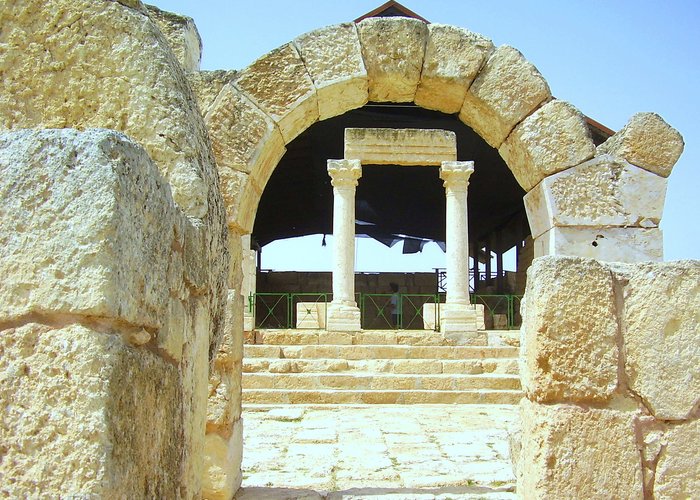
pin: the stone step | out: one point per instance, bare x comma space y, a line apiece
403, 366
376, 382
371, 337
360, 352
337, 396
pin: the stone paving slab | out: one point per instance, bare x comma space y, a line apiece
377, 451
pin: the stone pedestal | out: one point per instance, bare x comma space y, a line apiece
343, 313
458, 316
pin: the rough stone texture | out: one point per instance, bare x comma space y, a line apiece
207, 85
553, 138
453, 57
612, 244
569, 340
333, 58
78, 413
280, 85
507, 89
223, 464
400, 146
97, 239
126, 78
677, 473
574, 452
224, 403
393, 50
648, 142
182, 35
661, 317
74, 204
602, 192
245, 141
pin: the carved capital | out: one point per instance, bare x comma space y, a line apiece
456, 174
344, 173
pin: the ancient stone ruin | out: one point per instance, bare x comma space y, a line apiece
130, 180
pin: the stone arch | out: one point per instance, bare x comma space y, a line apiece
253, 114
493, 90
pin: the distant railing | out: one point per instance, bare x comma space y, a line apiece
377, 310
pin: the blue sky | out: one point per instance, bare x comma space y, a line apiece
610, 59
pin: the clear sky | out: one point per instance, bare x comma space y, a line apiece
610, 59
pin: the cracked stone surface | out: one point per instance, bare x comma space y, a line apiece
418, 451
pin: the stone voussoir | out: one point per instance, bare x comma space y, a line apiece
648, 142
553, 138
393, 49
280, 85
453, 58
333, 58
507, 89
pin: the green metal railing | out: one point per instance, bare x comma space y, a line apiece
280, 310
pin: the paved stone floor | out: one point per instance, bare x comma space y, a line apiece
377, 451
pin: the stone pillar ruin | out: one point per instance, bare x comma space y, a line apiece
457, 315
249, 285
343, 313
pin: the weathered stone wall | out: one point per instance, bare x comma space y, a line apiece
91, 279
611, 373
103, 337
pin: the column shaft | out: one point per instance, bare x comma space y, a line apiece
343, 313
458, 316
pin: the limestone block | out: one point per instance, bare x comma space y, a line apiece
601, 192
244, 139
182, 35
333, 58
430, 316
453, 58
507, 89
569, 334
611, 244
646, 141
311, 315
661, 307
575, 452
553, 138
207, 85
90, 227
677, 469
126, 78
79, 409
393, 50
231, 347
224, 401
222, 464
280, 85
400, 146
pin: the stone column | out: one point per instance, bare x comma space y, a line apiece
343, 313
457, 316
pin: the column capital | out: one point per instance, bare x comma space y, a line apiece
344, 173
456, 173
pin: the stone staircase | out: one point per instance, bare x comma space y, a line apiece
378, 367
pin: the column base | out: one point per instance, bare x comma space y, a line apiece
458, 322
343, 318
